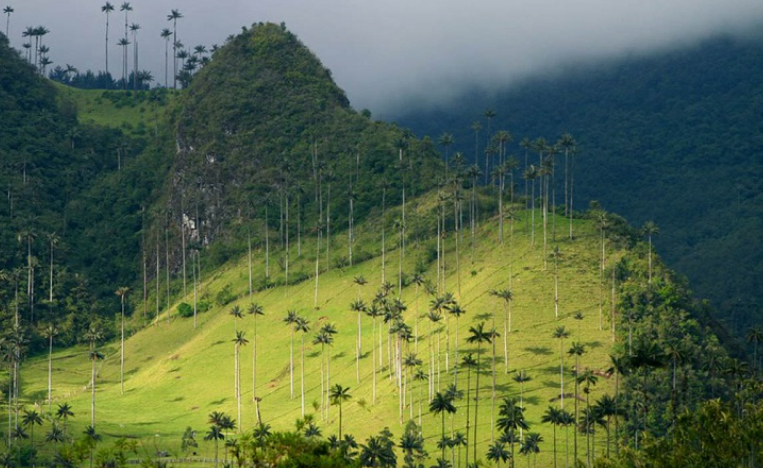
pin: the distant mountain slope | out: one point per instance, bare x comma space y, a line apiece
675, 138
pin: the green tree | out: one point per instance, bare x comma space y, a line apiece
478, 335
255, 310
588, 378
122, 293
7, 11
531, 445
339, 395
91, 440
553, 416
441, 404
238, 342
291, 320
174, 16
511, 417
30, 419
359, 307
561, 333
95, 356
650, 230
577, 350
506, 297
303, 325
497, 453
64, 412
107, 8
49, 332
378, 451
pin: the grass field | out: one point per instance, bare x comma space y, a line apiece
117, 109
177, 374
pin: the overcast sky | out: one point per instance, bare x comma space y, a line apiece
385, 53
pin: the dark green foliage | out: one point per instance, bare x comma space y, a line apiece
673, 137
672, 359
225, 296
263, 122
59, 176
185, 310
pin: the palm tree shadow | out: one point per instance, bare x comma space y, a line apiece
532, 400
539, 350
482, 317
218, 402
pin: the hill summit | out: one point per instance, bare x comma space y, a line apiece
265, 125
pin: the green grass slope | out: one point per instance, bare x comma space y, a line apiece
177, 374
124, 110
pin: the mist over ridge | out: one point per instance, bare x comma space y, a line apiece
388, 55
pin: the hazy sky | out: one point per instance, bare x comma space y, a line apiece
385, 53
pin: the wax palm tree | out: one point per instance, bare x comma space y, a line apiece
31, 418
650, 230
238, 342
453, 308
174, 16
446, 140
620, 367
95, 356
588, 378
7, 11
255, 310
122, 293
123, 42
290, 320
434, 352
607, 407
469, 362
339, 395
553, 416
53, 240
64, 412
378, 452
577, 350
441, 404
521, 377
507, 297
531, 445
754, 336
531, 173
418, 280
237, 314
91, 440
49, 332
216, 434
134, 28
302, 325
478, 335
561, 333
511, 418
359, 307
107, 8
166, 34
55, 434
497, 453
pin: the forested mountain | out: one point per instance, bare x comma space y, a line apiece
71, 206
673, 137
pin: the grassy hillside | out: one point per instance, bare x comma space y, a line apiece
177, 374
126, 111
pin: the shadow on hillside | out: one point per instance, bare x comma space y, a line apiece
539, 350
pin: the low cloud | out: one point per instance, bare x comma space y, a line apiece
391, 53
